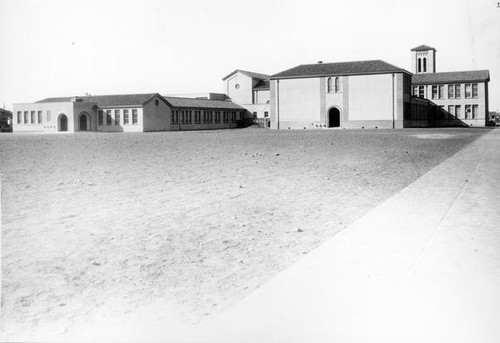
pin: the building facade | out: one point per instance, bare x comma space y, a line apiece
364, 94
251, 91
125, 113
463, 94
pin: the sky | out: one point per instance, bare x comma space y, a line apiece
66, 48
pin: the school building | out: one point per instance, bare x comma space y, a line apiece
125, 113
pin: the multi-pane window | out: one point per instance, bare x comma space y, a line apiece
434, 92
134, 116
25, 115
458, 111
415, 90
421, 91
32, 117
451, 109
451, 91
49, 116
330, 85
458, 94
266, 114
39, 115
108, 117
441, 91
337, 84
475, 110
474, 90
125, 117
100, 119
468, 111
117, 117
182, 117
19, 113
468, 93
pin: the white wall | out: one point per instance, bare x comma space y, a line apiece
370, 97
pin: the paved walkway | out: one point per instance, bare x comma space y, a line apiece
422, 267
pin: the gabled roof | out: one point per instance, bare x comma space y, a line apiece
423, 48
262, 85
452, 77
340, 68
109, 100
247, 73
202, 103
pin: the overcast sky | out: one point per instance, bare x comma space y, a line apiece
64, 48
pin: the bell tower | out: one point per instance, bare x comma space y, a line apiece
423, 59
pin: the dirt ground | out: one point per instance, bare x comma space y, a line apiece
198, 220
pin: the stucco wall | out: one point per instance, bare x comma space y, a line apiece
370, 97
299, 102
243, 94
156, 117
262, 97
55, 108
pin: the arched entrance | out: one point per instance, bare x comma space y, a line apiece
84, 122
334, 117
63, 122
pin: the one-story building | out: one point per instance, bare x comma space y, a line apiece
125, 113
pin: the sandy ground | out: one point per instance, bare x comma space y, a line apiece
106, 223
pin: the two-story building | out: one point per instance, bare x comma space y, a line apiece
463, 94
250, 90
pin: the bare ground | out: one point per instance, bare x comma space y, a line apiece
196, 219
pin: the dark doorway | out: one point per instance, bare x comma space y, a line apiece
334, 117
63, 123
83, 122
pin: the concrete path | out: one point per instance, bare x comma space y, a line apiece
422, 267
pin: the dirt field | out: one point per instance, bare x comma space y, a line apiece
196, 219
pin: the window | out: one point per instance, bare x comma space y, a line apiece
330, 85
415, 90
468, 111
474, 90
441, 92
134, 116
419, 65
451, 91
475, 110
451, 110
425, 65
19, 113
434, 92
39, 117
254, 114
100, 119
25, 117
337, 85
108, 117
421, 91
125, 117
117, 117
468, 92
49, 116
458, 111
32, 117
182, 117
457, 92
266, 114
237, 86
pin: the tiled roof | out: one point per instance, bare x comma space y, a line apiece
248, 73
109, 100
340, 68
423, 48
451, 77
262, 85
202, 103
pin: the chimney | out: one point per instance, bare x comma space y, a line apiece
319, 62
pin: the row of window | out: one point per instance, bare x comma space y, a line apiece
333, 85
205, 117
116, 119
32, 117
454, 91
471, 111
